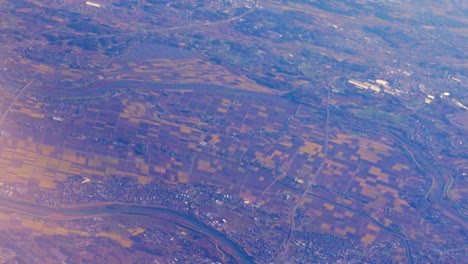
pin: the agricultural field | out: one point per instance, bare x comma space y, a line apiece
152, 131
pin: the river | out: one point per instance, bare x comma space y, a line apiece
113, 209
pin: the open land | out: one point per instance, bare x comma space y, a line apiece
233, 131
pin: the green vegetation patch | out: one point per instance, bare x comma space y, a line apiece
381, 116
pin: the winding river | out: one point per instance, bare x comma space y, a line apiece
225, 244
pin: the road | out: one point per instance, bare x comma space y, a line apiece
2, 119
292, 213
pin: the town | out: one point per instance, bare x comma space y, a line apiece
211, 132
